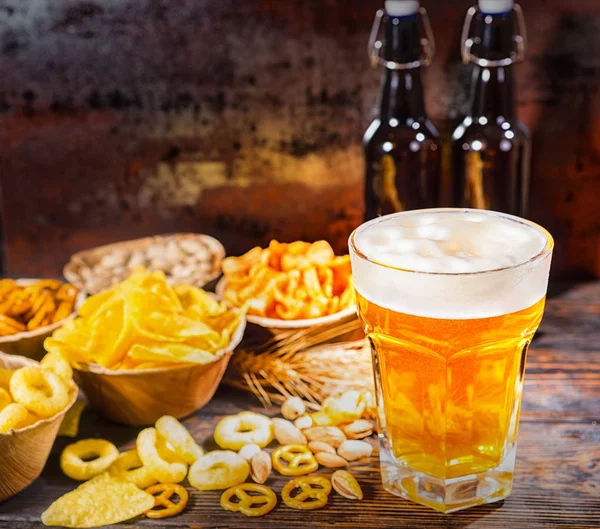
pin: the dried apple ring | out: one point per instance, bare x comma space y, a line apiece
129, 467
218, 470
56, 363
235, 431
265, 500
314, 492
300, 460
162, 469
180, 439
87, 458
39, 390
12, 417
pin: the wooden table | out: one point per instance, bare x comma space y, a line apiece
557, 481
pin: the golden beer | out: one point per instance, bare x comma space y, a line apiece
449, 347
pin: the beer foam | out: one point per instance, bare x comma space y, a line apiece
451, 263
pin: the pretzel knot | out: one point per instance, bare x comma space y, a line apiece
249, 505
165, 491
299, 458
314, 493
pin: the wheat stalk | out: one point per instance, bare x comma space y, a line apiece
307, 363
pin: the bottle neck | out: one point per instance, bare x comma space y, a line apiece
493, 93
401, 90
493, 88
402, 95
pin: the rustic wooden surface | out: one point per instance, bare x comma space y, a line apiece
557, 481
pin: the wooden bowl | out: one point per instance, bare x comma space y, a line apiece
139, 397
31, 343
86, 259
278, 327
23, 453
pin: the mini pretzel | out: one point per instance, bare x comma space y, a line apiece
165, 491
299, 458
318, 494
265, 501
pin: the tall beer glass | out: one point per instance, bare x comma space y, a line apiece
450, 300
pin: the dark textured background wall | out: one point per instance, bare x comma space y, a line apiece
243, 119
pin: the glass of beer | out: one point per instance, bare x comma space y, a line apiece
450, 300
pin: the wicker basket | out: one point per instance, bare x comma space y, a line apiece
86, 259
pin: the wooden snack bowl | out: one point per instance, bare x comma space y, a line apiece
23, 453
31, 343
139, 397
91, 257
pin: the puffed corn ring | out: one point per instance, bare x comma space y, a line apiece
218, 470
235, 431
179, 438
169, 508
159, 464
300, 460
12, 417
265, 501
56, 363
87, 458
129, 467
39, 390
314, 493
5, 399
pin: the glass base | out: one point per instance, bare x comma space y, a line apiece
447, 495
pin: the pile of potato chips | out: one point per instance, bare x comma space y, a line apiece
143, 323
289, 281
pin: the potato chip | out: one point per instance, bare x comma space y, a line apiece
289, 281
5, 376
70, 423
170, 353
5, 398
144, 323
101, 501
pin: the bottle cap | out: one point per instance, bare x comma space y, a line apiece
401, 8
494, 7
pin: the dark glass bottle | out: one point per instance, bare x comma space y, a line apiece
491, 148
402, 147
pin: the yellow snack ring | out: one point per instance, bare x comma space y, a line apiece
218, 470
148, 444
235, 431
129, 467
87, 458
266, 498
314, 488
179, 438
56, 363
300, 460
39, 390
12, 417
